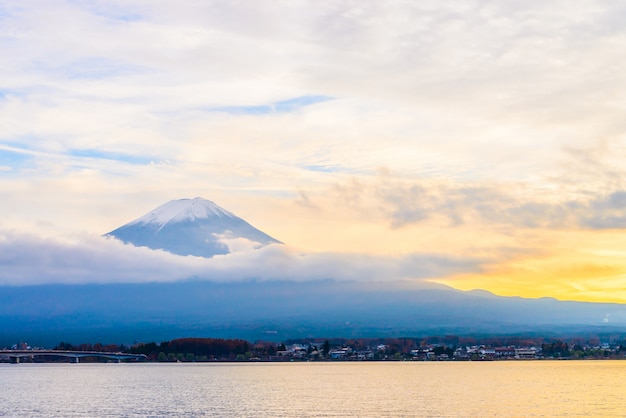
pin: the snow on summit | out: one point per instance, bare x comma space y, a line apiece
183, 210
190, 227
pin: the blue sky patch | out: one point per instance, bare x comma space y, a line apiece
327, 168
4, 93
109, 11
119, 15
283, 106
13, 159
93, 68
110, 156
5, 13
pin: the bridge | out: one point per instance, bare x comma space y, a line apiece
15, 355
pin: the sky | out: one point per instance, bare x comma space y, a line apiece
477, 144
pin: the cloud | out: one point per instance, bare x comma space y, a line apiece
236, 244
305, 202
462, 89
608, 212
403, 202
283, 263
27, 259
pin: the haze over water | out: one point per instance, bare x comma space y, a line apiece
392, 389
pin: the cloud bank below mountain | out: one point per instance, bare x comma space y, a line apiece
28, 259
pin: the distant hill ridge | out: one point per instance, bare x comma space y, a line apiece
189, 227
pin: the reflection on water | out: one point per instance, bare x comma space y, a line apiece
472, 389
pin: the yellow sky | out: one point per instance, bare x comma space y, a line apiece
593, 272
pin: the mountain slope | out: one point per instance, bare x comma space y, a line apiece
47, 314
189, 227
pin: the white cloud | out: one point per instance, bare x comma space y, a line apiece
236, 244
27, 259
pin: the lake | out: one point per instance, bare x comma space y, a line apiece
366, 389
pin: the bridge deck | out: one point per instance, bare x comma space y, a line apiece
16, 354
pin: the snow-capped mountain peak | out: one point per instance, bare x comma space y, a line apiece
190, 227
183, 210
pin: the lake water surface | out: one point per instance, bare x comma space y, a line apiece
368, 389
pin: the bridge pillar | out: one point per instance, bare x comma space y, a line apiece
15, 360
75, 360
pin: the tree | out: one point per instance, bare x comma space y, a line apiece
555, 349
64, 346
325, 348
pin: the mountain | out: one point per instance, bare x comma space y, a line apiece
273, 309
189, 227
280, 310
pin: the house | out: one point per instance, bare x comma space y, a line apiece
340, 354
487, 353
505, 352
525, 353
